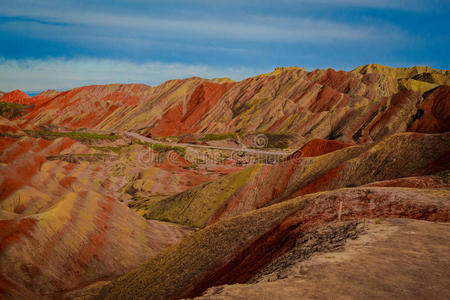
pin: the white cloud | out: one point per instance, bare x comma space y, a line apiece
404, 5
397, 4
58, 73
252, 28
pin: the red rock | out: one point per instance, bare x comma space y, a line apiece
413, 182
43, 97
433, 115
364, 107
180, 120
16, 96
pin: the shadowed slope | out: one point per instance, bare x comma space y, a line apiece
233, 250
433, 115
439, 180
389, 259
318, 147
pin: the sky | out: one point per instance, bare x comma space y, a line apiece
62, 44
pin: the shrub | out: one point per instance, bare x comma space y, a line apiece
162, 148
12, 110
47, 134
221, 136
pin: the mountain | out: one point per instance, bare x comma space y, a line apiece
197, 185
348, 106
399, 73
252, 240
16, 96
262, 185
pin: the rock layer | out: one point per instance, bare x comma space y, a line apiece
400, 155
253, 240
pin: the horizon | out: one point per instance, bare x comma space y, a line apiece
37, 92
255, 149
100, 42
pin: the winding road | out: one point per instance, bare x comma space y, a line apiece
253, 151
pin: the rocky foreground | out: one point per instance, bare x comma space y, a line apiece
397, 258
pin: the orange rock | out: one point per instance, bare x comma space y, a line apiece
181, 119
16, 96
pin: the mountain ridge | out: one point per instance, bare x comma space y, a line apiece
254, 104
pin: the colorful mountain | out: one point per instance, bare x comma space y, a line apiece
128, 191
368, 103
16, 96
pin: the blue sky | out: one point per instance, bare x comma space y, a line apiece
61, 44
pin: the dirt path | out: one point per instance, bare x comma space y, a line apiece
397, 259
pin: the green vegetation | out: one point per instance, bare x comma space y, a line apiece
195, 206
279, 139
115, 149
163, 148
444, 176
274, 139
76, 158
221, 136
139, 142
10, 135
76, 135
139, 202
12, 110
191, 167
